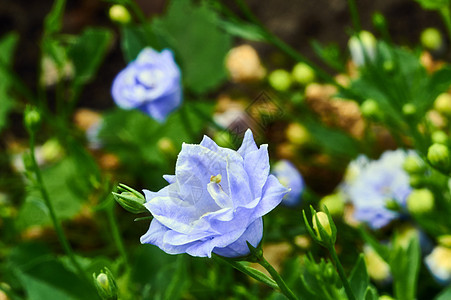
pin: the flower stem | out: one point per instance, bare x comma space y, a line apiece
341, 272
354, 15
116, 233
446, 16
277, 278
56, 224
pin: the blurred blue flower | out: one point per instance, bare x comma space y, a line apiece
289, 177
215, 201
150, 83
372, 185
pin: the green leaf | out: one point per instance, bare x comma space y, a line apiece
88, 52
404, 266
8, 45
68, 189
200, 46
134, 38
445, 294
44, 277
359, 279
433, 4
242, 30
54, 19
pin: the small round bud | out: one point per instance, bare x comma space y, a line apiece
389, 65
409, 109
379, 20
442, 104
386, 297
420, 201
118, 13
105, 285
377, 268
303, 73
431, 39
297, 134
413, 164
32, 118
244, 65
335, 203
324, 221
166, 146
439, 137
370, 109
438, 156
280, 80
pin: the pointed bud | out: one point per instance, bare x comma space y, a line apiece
420, 201
438, 156
105, 285
130, 199
323, 221
118, 13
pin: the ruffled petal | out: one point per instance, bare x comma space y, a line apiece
273, 192
256, 165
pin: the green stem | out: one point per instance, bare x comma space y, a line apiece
341, 272
116, 233
56, 224
354, 15
137, 11
446, 16
278, 279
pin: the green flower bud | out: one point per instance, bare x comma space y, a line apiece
280, 80
52, 150
324, 222
120, 14
409, 109
32, 118
389, 65
105, 285
386, 297
439, 137
303, 73
438, 156
420, 201
379, 20
130, 199
442, 104
370, 109
431, 39
335, 203
413, 164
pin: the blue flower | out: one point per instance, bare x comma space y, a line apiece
215, 201
371, 185
150, 83
290, 177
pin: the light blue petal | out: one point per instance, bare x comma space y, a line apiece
217, 193
253, 235
256, 165
273, 192
248, 144
205, 247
